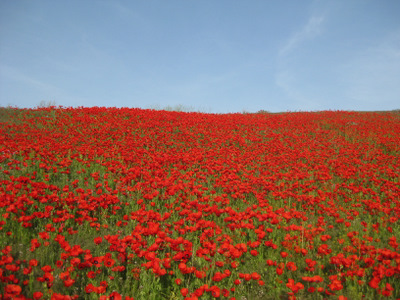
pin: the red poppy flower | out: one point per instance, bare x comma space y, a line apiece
109, 262
33, 262
115, 296
37, 295
13, 289
69, 282
48, 277
215, 291
184, 291
90, 288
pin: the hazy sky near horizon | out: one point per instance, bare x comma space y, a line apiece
218, 56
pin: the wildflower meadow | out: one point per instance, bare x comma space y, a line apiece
118, 203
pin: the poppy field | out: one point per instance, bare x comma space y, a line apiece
118, 203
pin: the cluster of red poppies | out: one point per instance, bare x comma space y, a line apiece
107, 203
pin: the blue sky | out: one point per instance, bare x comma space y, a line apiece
217, 56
